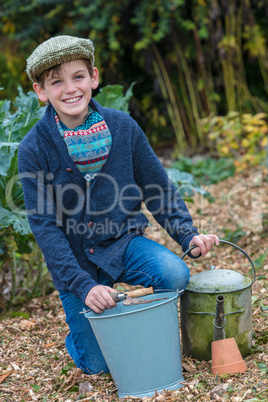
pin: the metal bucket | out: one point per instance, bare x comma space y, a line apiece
141, 345
198, 309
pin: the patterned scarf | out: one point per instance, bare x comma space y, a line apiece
88, 144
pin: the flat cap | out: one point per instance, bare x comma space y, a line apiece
58, 50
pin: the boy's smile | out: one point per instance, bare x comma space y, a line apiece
72, 100
69, 92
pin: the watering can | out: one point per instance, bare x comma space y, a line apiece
198, 309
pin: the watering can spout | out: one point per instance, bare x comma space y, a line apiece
219, 321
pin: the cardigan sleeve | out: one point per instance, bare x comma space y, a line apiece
43, 220
159, 195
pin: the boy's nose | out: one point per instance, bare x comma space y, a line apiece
70, 87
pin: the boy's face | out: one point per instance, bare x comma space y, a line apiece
69, 92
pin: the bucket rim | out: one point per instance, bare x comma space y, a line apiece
151, 392
91, 315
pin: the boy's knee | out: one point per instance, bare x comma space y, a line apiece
176, 275
182, 277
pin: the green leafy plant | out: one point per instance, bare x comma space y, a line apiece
13, 127
233, 236
36, 387
22, 265
67, 368
259, 262
112, 96
206, 170
263, 367
186, 185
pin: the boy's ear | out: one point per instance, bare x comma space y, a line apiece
95, 78
40, 92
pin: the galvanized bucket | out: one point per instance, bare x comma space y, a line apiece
198, 308
141, 345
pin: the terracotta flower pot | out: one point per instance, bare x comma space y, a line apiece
226, 357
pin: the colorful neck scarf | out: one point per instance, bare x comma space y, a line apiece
88, 144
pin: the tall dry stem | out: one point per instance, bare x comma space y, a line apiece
169, 96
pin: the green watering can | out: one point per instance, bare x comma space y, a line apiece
198, 309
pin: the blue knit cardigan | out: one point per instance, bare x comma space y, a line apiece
80, 227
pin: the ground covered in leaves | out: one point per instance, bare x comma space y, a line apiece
34, 365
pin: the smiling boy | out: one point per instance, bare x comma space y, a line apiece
69, 90
85, 171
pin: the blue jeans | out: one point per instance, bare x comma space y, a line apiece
147, 263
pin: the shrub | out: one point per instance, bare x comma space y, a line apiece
241, 137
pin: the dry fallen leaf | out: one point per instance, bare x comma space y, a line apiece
4, 376
218, 391
188, 365
26, 325
84, 388
15, 366
48, 345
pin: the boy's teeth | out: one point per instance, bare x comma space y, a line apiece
72, 100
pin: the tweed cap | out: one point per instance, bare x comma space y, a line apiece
58, 50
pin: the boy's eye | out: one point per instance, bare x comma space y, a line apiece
78, 77
56, 82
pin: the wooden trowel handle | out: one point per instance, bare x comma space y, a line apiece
134, 293
141, 292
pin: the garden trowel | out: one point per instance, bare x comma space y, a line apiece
130, 298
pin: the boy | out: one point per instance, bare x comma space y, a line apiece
85, 170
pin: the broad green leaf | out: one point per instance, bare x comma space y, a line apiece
258, 263
263, 367
67, 368
7, 151
177, 177
186, 185
112, 96
36, 387
19, 222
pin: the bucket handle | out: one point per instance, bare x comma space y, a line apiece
231, 244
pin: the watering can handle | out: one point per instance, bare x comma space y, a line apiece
231, 244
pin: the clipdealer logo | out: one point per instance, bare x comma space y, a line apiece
69, 199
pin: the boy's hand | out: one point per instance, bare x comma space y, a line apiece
204, 243
98, 298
